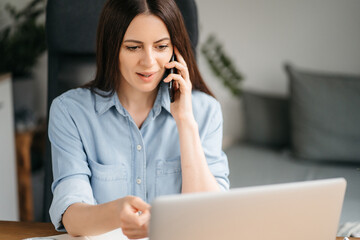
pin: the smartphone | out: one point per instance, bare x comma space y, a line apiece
171, 83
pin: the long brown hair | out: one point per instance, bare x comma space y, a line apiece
113, 23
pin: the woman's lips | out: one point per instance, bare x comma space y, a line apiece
146, 76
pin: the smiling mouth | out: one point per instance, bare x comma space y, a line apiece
145, 75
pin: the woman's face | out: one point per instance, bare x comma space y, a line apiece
145, 49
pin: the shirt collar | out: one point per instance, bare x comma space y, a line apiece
103, 104
162, 99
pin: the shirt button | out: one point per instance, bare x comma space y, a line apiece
138, 147
138, 181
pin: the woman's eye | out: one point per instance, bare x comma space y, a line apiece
162, 47
132, 48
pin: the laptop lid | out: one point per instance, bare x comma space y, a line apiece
296, 211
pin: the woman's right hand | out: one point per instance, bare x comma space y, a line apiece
134, 216
82, 219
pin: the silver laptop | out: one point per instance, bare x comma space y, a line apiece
297, 211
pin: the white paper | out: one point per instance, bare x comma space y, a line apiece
116, 234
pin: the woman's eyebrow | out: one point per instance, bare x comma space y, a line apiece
165, 38
137, 41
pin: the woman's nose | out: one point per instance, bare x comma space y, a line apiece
148, 58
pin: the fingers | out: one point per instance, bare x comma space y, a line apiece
139, 204
133, 219
184, 86
179, 58
134, 234
182, 78
180, 65
182, 69
142, 210
138, 211
133, 224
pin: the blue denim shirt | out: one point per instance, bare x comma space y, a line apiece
99, 154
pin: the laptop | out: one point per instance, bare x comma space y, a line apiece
296, 211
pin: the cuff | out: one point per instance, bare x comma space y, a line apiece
223, 184
66, 193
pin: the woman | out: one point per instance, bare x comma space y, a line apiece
118, 142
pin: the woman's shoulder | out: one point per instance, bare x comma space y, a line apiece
75, 94
205, 107
73, 97
204, 101
207, 112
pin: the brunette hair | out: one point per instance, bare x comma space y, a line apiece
113, 23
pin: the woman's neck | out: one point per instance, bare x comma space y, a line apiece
135, 99
138, 104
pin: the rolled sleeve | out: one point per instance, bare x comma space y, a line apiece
70, 168
66, 193
212, 146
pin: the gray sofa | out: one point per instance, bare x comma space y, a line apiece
314, 133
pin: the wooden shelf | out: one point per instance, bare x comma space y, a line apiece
23, 158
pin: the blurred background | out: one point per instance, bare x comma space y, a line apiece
256, 38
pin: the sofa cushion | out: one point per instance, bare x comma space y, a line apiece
253, 165
325, 115
266, 119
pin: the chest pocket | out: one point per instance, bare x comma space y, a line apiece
108, 182
168, 177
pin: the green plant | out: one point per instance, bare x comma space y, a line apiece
22, 42
221, 65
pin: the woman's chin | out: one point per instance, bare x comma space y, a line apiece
149, 87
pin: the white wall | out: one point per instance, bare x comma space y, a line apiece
261, 34
8, 181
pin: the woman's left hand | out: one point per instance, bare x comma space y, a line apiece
181, 108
